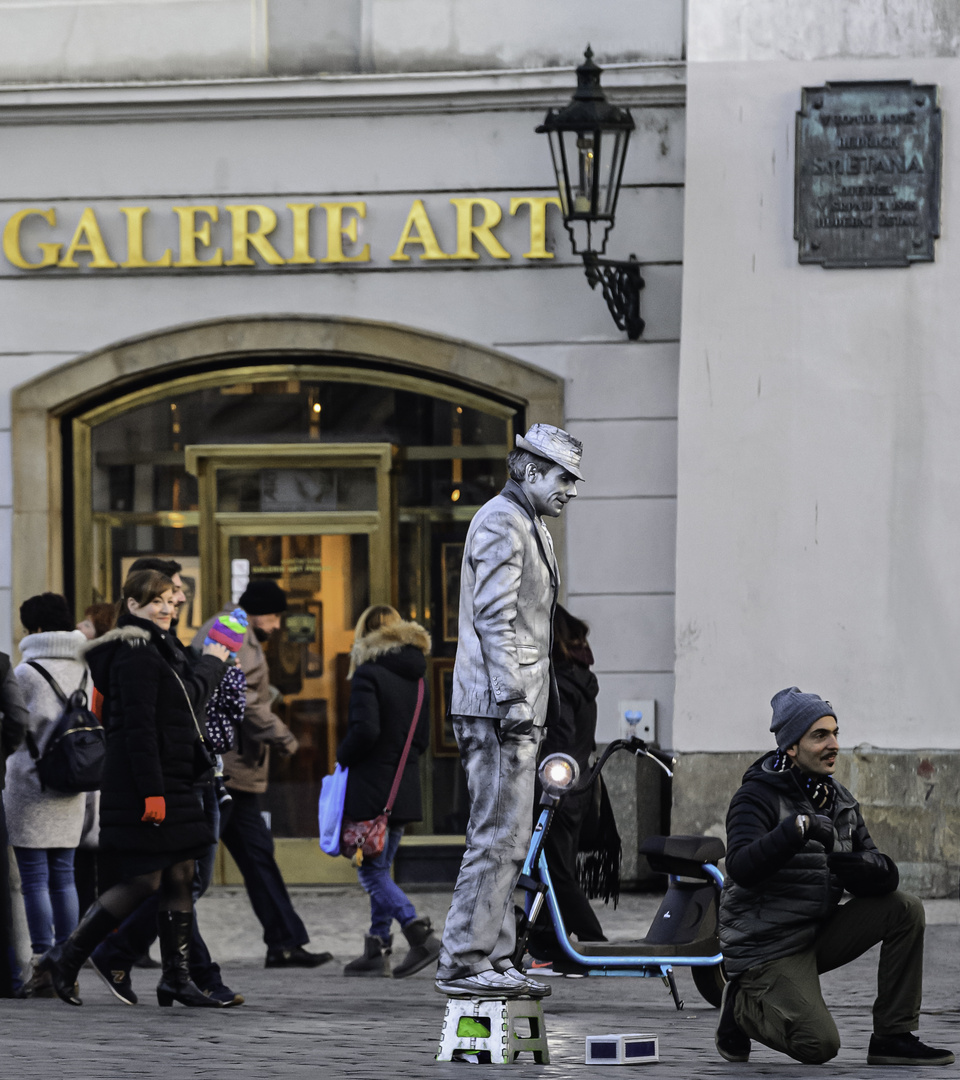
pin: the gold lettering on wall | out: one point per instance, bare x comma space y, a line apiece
88, 239
135, 257
50, 253
538, 222
425, 236
163, 237
337, 230
244, 237
192, 234
301, 233
467, 231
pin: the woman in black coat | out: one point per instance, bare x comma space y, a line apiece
387, 666
152, 825
574, 733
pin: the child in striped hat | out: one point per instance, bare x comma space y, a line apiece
228, 631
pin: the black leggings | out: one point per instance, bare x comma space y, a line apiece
175, 884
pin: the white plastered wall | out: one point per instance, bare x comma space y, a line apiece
819, 501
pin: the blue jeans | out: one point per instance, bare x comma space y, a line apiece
49, 895
387, 900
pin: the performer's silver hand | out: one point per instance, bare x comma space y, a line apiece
519, 719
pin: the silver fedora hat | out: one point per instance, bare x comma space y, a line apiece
555, 445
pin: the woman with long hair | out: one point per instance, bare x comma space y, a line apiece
387, 663
152, 826
44, 825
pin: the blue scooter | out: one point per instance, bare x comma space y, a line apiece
684, 932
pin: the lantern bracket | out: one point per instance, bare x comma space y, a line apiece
620, 282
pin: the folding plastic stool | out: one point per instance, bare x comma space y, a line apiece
466, 1019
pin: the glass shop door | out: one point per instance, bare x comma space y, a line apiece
319, 522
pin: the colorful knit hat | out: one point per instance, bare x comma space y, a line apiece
228, 630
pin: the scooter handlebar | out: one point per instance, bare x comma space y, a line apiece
634, 746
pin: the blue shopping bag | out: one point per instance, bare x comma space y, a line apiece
333, 791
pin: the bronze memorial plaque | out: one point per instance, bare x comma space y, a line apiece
867, 187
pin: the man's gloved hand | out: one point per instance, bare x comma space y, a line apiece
155, 809
519, 719
821, 829
864, 873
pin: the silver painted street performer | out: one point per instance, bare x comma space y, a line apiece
504, 693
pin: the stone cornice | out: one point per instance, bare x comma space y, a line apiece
654, 83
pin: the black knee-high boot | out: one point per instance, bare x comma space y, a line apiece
63, 962
175, 983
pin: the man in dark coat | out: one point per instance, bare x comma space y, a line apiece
13, 726
504, 692
246, 772
795, 841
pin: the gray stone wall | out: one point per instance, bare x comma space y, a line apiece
910, 800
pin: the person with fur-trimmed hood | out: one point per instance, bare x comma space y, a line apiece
387, 663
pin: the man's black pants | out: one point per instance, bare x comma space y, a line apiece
249, 841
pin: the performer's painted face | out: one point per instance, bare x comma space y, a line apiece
549, 492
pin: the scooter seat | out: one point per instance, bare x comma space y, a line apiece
706, 947
681, 854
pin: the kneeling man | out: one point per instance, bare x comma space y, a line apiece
795, 841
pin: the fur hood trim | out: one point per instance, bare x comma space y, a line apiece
120, 634
388, 639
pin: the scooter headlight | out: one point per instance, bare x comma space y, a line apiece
558, 773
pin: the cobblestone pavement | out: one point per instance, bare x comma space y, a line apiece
319, 1024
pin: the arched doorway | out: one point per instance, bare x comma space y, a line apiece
343, 458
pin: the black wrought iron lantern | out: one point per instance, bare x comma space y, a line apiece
588, 143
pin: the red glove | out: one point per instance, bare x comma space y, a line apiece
155, 810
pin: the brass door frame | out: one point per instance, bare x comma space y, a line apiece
216, 528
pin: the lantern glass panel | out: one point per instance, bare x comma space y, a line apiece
560, 168
615, 149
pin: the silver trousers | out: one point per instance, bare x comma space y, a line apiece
480, 930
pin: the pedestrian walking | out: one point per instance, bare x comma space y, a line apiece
13, 726
246, 775
387, 695
97, 620
45, 826
119, 953
152, 826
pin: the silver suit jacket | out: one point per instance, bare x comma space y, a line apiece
508, 592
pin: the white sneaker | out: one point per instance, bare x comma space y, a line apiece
531, 988
485, 984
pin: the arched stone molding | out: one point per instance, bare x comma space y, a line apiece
39, 405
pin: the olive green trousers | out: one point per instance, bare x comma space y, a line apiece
780, 1004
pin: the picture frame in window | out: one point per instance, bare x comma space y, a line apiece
442, 740
451, 559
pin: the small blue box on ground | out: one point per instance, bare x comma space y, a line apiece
631, 1049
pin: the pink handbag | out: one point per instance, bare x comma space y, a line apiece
366, 838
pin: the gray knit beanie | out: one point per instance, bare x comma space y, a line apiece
793, 714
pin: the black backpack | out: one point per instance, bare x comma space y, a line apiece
72, 760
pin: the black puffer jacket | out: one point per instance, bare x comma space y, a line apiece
390, 663
150, 736
779, 889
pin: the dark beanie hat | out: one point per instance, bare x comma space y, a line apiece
794, 713
263, 597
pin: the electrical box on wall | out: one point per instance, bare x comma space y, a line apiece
638, 720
